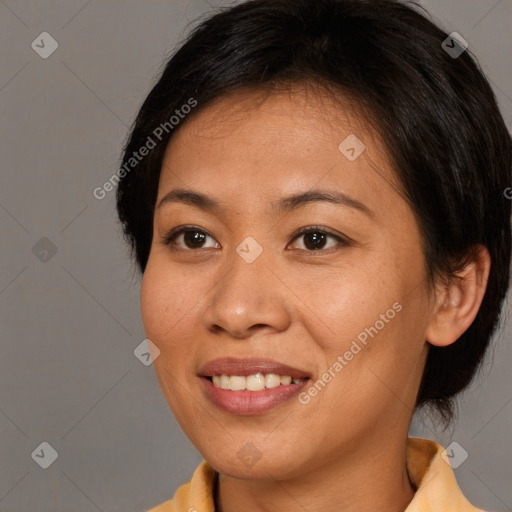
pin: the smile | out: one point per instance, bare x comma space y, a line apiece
250, 386
255, 382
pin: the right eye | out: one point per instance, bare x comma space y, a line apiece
191, 236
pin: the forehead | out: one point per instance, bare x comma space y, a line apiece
258, 144
311, 110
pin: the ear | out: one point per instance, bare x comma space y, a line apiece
458, 302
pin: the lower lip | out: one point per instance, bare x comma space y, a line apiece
250, 402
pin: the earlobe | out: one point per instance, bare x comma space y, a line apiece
458, 303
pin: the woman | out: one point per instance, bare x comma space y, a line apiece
313, 191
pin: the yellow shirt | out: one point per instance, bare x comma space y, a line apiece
437, 489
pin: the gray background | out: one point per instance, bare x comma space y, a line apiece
70, 321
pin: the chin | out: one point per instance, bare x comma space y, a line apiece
261, 470
249, 463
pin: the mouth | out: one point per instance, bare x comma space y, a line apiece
250, 386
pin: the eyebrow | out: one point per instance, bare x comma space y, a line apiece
282, 205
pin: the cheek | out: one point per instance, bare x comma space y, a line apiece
159, 314
153, 303
165, 299
353, 297
171, 300
164, 315
373, 309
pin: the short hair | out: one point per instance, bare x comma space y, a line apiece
434, 110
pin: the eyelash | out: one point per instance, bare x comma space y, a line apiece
343, 241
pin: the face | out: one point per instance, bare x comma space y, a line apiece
233, 287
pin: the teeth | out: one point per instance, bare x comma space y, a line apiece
272, 380
255, 382
237, 383
224, 382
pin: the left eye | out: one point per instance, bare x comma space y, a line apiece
314, 239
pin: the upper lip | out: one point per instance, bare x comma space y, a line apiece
249, 366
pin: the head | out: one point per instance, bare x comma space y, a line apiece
390, 298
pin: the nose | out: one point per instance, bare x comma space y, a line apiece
248, 299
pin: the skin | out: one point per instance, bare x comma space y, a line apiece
299, 306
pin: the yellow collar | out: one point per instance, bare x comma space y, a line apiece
437, 489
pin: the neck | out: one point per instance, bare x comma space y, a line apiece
362, 481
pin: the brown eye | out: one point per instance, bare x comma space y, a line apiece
192, 238
315, 239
